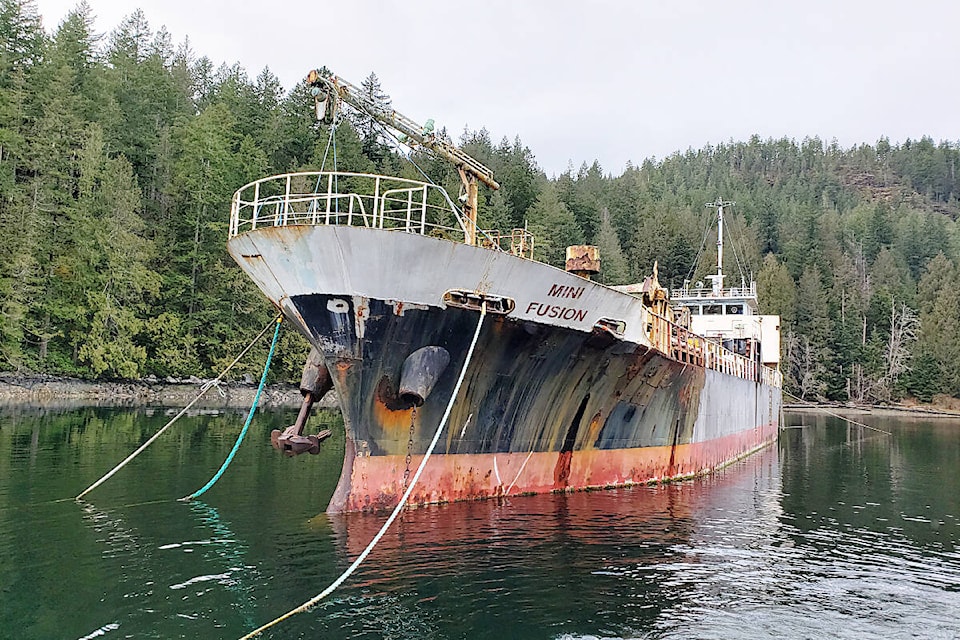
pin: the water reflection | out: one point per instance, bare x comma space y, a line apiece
526, 567
226, 552
835, 532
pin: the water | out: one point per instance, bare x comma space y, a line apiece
834, 532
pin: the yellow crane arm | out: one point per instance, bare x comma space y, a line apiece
329, 91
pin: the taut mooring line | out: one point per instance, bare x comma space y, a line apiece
836, 415
403, 500
206, 387
246, 425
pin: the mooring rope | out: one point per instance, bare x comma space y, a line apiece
835, 415
403, 500
525, 461
246, 425
203, 390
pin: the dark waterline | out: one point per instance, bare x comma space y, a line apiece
834, 532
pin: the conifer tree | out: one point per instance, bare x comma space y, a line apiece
119, 285
614, 268
553, 226
21, 51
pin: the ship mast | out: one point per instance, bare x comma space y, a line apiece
717, 279
329, 91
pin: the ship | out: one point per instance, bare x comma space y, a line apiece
567, 384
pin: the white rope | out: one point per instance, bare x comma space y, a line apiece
836, 415
403, 500
526, 460
206, 387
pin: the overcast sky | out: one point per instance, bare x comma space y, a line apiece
611, 81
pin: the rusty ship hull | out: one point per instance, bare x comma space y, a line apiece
553, 400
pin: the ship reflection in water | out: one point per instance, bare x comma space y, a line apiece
834, 532
608, 563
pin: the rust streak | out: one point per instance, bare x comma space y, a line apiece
561, 474
388, 410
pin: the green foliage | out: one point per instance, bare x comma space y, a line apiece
118, 159
668, 236
554, 227
776, 289
613, 264
938, 296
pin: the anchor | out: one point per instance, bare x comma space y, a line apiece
314, 384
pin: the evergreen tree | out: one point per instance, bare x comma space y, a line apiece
496, 215
369, 130
118, 283
21, 52
519, 177
54, 140
939, 299
553, 226
206, 170
807, 347
776, 290
614, 268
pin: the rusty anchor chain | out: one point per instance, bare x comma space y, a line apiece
406, 472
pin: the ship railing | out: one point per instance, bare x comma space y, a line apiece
687, 293
348, 199
518, 242
683, 345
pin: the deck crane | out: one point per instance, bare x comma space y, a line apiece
329, 91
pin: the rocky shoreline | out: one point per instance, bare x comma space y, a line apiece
903, 410
58, 391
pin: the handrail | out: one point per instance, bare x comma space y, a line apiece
345, 198
683, 345
319, 203
687, 293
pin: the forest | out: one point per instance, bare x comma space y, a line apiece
119, 154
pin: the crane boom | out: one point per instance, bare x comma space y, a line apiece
329, 91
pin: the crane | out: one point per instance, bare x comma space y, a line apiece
329, 91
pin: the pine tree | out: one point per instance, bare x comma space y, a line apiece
553, 226
776, 290
54, 141
367, 127
119, 284
938, 295
21, 52
496, 215
518, 175
614, 268
807, 347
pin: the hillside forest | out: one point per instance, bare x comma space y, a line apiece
119, 154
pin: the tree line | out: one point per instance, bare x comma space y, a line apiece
119, 155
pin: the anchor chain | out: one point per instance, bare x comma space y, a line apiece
406, 472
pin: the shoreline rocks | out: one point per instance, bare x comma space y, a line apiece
37, 389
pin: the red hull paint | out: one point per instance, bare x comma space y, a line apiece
376, 482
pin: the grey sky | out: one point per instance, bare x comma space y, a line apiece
612, 81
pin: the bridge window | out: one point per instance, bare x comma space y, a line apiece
712, 309
734, 309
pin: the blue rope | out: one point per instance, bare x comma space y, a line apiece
243, 432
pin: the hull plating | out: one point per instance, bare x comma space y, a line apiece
546, 404
375, 482
541, 409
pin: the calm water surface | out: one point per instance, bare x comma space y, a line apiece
835, 532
